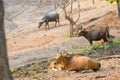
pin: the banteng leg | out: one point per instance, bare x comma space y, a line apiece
58, 21
90, 41
47, 24
55, 22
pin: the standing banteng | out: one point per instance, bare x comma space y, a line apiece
49, 17
93, 27
95, 35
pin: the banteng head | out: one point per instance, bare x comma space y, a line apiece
77, 29
81, 33
59, 62
56, 66
40, 24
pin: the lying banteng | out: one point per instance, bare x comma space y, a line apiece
94, 35
49, 17
74, 62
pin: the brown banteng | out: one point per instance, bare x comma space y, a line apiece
74, 62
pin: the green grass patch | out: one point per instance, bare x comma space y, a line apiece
66, 35
80, 49
96, 46
115, 42
88, 48
83, 48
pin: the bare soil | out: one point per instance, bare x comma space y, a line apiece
28, 44
109, 59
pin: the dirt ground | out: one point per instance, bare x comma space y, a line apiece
29, 36
108, 71
110, 65
29, 44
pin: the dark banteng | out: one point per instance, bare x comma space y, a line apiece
95, 35
49, 17
98, 27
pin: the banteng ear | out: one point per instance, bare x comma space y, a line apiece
60, 53
57, 51
65, 52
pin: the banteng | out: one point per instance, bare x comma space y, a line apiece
93, 27
49, 17
95, 35
74, 62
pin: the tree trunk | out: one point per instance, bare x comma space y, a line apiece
71, 22
4, 66
118, 11
71, 30
93, 1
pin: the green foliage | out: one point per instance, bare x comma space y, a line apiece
111, 1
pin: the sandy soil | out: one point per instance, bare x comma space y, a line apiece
36, 43
109, 70
35, 37
28, 44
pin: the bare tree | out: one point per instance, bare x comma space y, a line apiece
118, 8
4, 66
63, 4
93, 1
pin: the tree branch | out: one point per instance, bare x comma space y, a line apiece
78, 13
